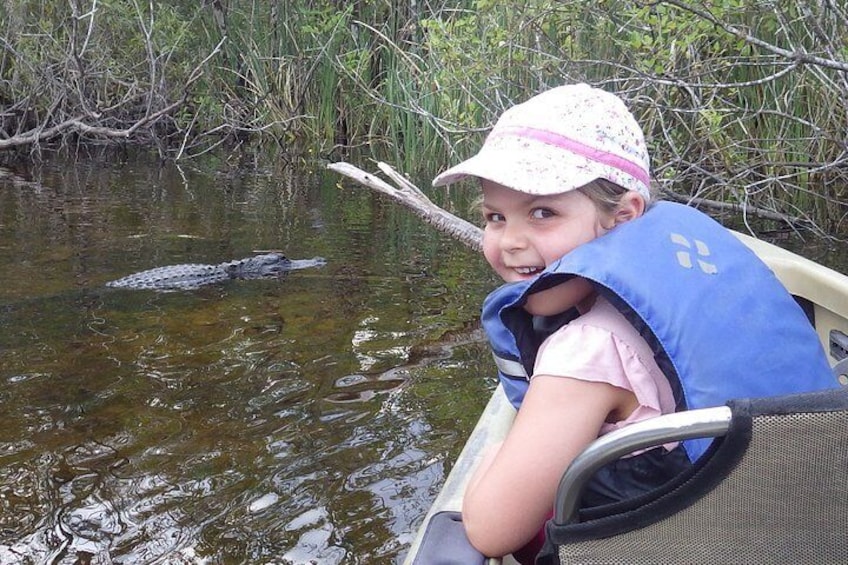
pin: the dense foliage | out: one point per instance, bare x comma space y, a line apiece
744, 102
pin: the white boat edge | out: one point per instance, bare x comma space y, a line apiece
491, 428
824, 288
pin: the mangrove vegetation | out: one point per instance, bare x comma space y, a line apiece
745, 104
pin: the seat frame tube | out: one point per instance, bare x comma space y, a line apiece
690, 424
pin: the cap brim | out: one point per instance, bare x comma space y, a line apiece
473, 167
534, 175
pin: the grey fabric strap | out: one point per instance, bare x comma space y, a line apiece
511, 368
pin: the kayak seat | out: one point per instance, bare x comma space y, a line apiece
772, 488
445, 543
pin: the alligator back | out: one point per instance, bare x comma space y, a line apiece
174, 277
193, 275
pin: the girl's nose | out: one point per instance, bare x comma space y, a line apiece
513, 238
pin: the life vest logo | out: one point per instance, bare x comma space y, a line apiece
684, 257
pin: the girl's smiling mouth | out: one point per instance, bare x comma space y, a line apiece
528, 270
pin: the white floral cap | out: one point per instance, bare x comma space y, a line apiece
559, 140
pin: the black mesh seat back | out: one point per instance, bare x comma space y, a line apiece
782, 498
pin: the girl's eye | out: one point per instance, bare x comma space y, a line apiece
493, 217
541, 213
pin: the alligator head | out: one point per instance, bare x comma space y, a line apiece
258, 266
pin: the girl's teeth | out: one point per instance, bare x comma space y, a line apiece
527, 270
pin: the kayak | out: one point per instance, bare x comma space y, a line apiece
822, 293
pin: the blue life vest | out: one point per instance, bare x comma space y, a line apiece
720, 323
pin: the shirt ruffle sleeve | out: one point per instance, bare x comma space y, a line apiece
595, 354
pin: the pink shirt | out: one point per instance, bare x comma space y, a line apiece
602, 346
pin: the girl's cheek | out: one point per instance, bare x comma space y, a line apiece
490, 251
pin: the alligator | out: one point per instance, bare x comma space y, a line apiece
193, 275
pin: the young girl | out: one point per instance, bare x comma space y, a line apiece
563, 175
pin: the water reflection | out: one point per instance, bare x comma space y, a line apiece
299, 420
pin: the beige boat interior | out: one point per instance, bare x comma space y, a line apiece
818, 287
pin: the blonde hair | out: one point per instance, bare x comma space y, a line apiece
605, 195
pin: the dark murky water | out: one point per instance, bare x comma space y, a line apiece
304, 420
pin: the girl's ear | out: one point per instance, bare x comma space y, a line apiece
630, 207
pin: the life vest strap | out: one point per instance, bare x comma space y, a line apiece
511, 368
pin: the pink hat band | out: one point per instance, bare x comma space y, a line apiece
562, 142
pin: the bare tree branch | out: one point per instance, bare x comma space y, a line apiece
90, 124
413, 198
798, 56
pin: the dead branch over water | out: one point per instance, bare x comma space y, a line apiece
413, 198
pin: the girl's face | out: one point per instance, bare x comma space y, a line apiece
525, 233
